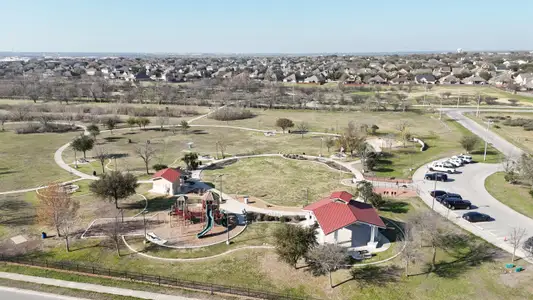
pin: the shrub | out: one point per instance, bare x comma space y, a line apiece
259, 217
510, 177
159, 167
295, 219
283, 219
231, 114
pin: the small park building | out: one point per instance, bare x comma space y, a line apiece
166, 182
345, 221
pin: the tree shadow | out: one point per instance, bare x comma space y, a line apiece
394, 229
395, 206
160, 203
374, 275
111, 139
198, 131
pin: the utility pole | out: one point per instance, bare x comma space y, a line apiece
440, 111
478, 101
486, 143
458, 97
144, 223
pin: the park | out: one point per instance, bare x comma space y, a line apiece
223, 201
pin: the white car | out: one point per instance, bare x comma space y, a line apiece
455, 162
439, 167
449, 164
466, 159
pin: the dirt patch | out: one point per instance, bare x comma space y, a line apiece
395, 193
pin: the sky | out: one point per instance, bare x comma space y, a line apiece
270, 26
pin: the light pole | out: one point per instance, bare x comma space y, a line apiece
321, 141
434, 194
306, 196
478, 100
225, 212
144, 223
486, 143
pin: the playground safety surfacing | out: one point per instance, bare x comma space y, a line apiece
180, 234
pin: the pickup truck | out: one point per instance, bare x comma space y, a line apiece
440, 167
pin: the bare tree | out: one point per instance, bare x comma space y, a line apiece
101, 154
516, 236
3, 119
324, 259
20, 113
146, 153
162, 120
58, 210
411, 248
113, 231
432, 230
389, 140
403, 129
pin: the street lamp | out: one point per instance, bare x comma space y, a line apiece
321, 141
486, 137
144, 222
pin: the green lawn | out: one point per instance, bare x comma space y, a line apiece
277, 180
402, 162
27, 160
515, 196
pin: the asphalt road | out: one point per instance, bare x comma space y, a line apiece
508, 149
20, 294
470, 184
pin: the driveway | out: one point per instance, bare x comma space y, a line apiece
470, 184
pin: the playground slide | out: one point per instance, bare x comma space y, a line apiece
208, 224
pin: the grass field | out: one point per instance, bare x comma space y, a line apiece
277, 180
171, 147
514, 134
402, 162
27, 160
515, 196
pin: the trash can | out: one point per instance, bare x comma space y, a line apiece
519, 269
94, 173
509, 266
43, 235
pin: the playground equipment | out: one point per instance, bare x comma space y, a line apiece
211, 203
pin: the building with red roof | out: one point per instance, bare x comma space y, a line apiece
345, 221
167, 182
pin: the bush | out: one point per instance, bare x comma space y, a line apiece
159, 167
231, 114
510, 177
36, 128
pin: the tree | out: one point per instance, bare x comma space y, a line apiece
101, 154
330, 142
222, 144
131, 121
374, 129
3, 119
516, 236
411, 245
403, 100
185, 125
528, 246
324, 259
110, 123
403, 128
469, 142
114, 186
83, 144
351, 139
93, 130
143, 122
433, 231
162, 121
146, 153
57, 209
284, 123
191, 160
113, 231
293, 242
365, 189
525, 169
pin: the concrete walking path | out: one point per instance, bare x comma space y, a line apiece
91, 287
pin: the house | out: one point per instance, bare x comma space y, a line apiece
290, 78
502, 79
90, 71
523, 79
425, 79
474, 79
345, 222
167, 182
314, 79
450, 79
399, 80
377, 80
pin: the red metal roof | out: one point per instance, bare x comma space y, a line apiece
333, 215
343, 195
169, 174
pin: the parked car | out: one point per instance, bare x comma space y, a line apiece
456, 203
448, 164
436, 176
474, 216
464, 158
448, 195
455, 162
437, 193
437, 166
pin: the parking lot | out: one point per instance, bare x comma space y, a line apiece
470, 184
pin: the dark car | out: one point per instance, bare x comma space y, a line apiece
436, 176
474, 216
456, 203
448, 195
437, 193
